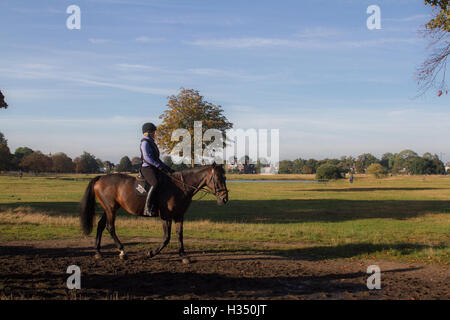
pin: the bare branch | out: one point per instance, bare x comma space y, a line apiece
432, 72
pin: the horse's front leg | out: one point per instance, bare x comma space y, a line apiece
181, 252
179, 225
167, 227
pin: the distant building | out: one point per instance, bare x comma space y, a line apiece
236, 167
266, 170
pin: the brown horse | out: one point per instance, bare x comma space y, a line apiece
174, 196
3, 103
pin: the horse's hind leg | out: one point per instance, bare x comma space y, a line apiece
100, 227
110, 219
110, 212
167, 227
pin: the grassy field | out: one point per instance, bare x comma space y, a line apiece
397, 218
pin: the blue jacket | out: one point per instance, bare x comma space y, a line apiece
150, 154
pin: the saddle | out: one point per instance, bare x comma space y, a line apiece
141, 186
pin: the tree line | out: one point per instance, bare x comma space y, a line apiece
404, 162
29, 160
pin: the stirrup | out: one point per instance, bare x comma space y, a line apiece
150, 213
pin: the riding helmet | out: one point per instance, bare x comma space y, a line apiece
148, 127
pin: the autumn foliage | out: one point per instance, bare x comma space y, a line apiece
182, 110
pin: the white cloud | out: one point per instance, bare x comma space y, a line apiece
145, 39
318, 32
139, 67
99, 41
212, 72
132, 88
409, 18
26, 73
303, 44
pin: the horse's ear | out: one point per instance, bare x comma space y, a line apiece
214, 164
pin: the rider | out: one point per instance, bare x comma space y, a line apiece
151, 166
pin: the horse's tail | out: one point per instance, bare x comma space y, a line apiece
87, 207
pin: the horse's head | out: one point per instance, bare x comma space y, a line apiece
216, 182
3, 103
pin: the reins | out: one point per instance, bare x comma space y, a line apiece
197, 189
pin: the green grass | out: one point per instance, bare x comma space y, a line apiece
397, 218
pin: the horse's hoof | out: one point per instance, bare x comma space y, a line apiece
186, 260
98, 255
123, 255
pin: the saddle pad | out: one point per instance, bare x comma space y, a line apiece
141, 187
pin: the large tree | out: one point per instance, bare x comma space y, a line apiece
310, 166
376, 170
86, 163
403, 160
62, 163
182, 110
432, 72
3, 139
3, 103
37, 162
364, 161
21, 153
285, 166
5, 157
124, 165
136, 164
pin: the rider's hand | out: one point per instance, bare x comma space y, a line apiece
171, 170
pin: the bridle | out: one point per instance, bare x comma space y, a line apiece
217, 192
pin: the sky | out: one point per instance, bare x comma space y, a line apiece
311, 69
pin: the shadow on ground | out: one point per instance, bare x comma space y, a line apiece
316, 253
276, 211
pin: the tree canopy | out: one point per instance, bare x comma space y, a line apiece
37, 162
182, 110
5, 157
328, 172
3, 103
86, 163
61, 163
124, 165
377, 170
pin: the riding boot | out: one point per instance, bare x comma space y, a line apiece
149, 209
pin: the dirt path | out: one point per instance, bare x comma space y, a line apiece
37, 269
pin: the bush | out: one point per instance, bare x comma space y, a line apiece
377, 170
328, 172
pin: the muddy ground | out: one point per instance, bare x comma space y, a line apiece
37, 270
